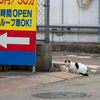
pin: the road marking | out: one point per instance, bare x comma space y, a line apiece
78, 56
71, 55
83, 57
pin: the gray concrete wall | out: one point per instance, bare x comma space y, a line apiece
43, 57
76, 47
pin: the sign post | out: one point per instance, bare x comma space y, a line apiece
17, 32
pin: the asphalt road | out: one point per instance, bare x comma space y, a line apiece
87, 85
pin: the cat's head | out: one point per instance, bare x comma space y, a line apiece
67, 62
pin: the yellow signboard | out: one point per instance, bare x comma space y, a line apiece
18, 15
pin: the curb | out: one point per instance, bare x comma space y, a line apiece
60, 66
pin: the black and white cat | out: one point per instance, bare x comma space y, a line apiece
78, 68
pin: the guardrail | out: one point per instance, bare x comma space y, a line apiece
69, 27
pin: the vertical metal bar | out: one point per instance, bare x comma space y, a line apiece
99, 21
45, 16
47, 21
62, 14
33, 69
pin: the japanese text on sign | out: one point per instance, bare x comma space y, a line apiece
18, 14
10, 2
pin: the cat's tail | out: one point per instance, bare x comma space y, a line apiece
86, 74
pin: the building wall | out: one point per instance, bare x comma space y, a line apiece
67, 12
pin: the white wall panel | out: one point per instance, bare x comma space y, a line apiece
56, 12
89, 15
55, 38
69, 37
70, 12
87, 38
74, 15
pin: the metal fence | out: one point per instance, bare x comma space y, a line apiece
40, 19
43, 20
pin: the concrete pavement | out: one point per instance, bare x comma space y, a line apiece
12, 81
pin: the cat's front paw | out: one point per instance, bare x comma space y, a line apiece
67, 70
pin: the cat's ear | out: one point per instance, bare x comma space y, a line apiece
69, 59
64, 59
